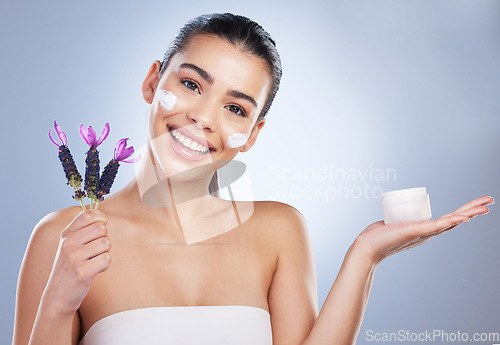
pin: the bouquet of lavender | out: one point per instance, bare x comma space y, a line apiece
95, 186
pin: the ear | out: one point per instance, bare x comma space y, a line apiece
253, 135
151, 81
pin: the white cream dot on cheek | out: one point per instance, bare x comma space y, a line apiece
167, 99
236, 140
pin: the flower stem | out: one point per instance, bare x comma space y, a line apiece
96, 205
83, 205
91, 203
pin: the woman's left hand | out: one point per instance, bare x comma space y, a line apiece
380, 241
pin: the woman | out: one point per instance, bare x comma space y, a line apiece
188, 267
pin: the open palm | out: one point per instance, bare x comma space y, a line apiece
381, 240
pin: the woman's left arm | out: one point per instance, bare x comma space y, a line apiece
342, 313
292, 296
340, 318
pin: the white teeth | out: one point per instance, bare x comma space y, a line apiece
189, 143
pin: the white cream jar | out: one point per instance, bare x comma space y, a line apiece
406, 205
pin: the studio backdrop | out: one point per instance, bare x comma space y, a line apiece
375, 96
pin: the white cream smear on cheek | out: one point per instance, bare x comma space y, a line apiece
167, 99
236, 140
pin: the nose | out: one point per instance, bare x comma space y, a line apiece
203, 117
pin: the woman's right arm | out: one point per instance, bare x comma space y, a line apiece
59, 265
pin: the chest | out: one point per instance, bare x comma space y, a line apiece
175, 273
148, 269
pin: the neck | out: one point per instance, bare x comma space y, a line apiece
166, 198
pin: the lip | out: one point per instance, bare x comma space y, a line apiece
185, 153
187, 133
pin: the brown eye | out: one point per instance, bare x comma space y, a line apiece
191, 85
236, 109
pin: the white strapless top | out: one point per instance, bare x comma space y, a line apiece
207, 325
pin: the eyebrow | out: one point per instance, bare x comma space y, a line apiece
204, 74
209, 79
242, 95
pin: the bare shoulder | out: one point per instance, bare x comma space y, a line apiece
46, 234
51, 225
278, 213
282, 224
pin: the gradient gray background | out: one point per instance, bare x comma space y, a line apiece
410, 86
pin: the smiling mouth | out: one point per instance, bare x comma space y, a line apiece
189, 144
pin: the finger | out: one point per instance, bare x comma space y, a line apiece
85, 218
418, 229
471, 212
483, 201
440, 231
445, 229
475, 211
100, 263
90, 233
96, 247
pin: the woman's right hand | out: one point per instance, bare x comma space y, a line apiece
83, 252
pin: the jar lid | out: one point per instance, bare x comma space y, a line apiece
405, 192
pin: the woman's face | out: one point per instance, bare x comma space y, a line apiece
220, 92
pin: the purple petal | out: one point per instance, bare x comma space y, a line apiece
120, 145
136, 159
127, 152
122, 152
89, 136
92, 137
83, 134
60, 134
52, 139
104, 134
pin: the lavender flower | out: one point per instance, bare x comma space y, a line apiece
122, 152
92, 160
70, 170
